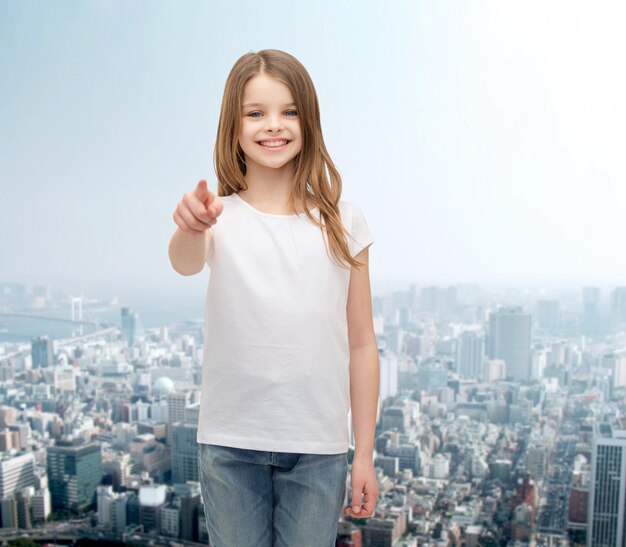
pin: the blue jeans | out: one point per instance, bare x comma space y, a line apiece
257, 498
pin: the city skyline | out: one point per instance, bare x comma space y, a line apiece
487, 423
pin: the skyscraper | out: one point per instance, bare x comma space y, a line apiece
176, 403
74, 472
614, 362
618, 307
591, 310
509, 339
469, 355
42, 352
17, 471
185, 446
132, 329
548, 314
607, 501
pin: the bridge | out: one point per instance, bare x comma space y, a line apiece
99, 324
104, 329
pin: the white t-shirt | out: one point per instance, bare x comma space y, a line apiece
276, 358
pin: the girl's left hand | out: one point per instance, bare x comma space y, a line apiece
363, 480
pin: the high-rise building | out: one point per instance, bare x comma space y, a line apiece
132, 330
548, 314
618, 307
189, 494
388, 383
8, 416
614, 363
151, 500
607, 500
578, 505
74, 472
8, 512
170, 520
17, 471
509, 339
112, 508
185, 452
23, 501
438, 300
176, 404
42, 352
469, 355
41, 505
591, 310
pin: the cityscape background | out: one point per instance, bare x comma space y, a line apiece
484, 143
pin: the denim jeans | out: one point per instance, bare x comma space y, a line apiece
255, 498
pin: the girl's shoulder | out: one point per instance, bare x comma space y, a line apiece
349, 210
345, 207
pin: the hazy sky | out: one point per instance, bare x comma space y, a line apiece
484, 141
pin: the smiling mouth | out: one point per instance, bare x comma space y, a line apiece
273, 144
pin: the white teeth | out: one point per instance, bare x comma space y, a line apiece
273, 144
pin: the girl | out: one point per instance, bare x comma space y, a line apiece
289, 344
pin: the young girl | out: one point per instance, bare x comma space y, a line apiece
289, 344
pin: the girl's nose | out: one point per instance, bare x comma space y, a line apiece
274, 123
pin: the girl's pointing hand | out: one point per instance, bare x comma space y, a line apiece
198, 210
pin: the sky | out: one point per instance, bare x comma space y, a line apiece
484, 141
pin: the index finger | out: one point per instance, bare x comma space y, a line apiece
201, 191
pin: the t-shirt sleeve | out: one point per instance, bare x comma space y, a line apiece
361, 235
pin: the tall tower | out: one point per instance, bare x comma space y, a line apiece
591, 310
509, 339
42, 352
185, 448
607, 502
618, 307
132, 329
128, 325
469, 355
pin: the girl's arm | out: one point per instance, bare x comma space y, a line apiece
364, 384
364, 366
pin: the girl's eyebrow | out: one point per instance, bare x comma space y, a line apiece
261, 104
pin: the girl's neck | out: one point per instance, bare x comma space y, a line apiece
268, 188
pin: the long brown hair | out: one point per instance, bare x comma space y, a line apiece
312, 186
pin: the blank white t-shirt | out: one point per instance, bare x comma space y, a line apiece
276, 358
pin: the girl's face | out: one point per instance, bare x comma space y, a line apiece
269, 114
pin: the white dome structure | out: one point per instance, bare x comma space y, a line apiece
163, 386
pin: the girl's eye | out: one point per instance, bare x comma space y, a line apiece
257, 112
